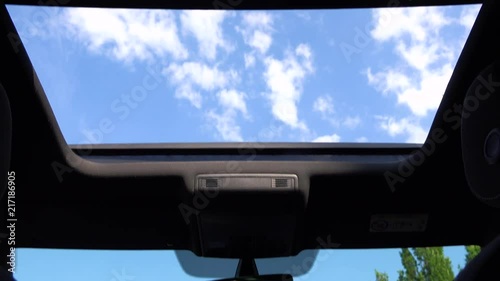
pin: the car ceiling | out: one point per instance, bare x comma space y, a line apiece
128, 196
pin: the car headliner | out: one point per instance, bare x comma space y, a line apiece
91, 197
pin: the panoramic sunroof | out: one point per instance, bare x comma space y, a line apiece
158, 76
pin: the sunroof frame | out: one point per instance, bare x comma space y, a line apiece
242, 4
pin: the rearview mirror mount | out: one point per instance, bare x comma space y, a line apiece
247, 271
269, 277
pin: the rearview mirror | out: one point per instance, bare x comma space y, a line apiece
269, 277
208, 268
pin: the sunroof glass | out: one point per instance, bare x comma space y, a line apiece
161, 76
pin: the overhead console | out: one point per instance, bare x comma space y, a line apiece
247, 182
247, 215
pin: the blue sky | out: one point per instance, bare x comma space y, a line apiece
134, 76
138, 76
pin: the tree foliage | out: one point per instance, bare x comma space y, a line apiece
471, 252
426, 264
381, 276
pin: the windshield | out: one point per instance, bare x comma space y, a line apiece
85, 265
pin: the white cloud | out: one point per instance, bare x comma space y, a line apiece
208, 78
362, 139
126, 35
421, 94
249, 60
467, 18
388, 81
323, 105
427, 95
186, 91
420, 79
469, 15
260, 40
422, 56
429, 59
256, 30
233, 100
419, 23
404, 126
351, 122
304, 51
225, 124
258, 19
284, 79
188, 75
328, 138
206, 27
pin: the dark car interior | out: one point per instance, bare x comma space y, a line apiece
257, 200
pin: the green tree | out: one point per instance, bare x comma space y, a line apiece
426, 264
381, 276
471, 252
410, 270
